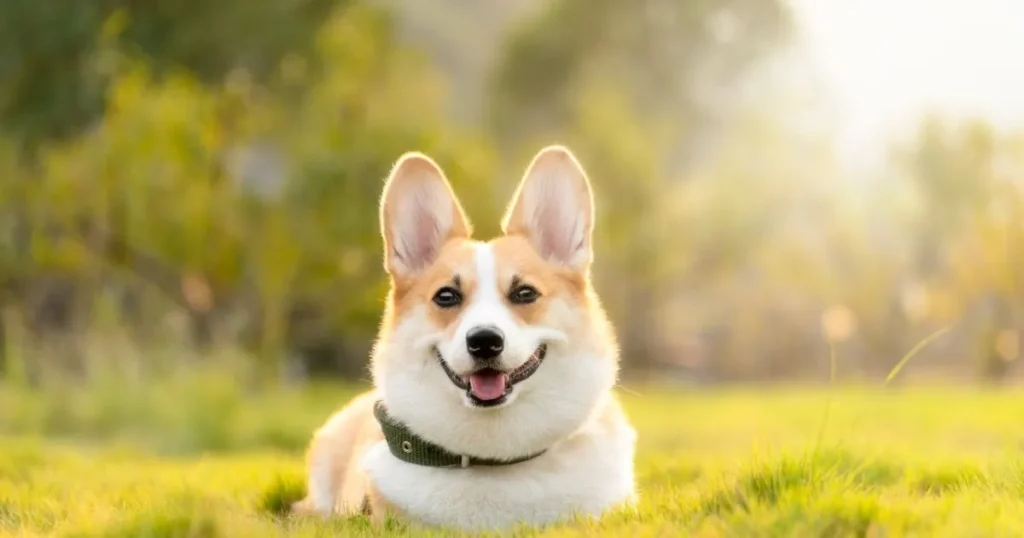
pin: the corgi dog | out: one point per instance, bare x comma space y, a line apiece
493, 372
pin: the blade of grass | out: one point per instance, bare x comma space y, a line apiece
914, 351
828, 402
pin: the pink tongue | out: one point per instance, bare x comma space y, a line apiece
488, 384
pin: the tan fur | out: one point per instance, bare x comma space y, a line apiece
344, 438
517, 259
455, 258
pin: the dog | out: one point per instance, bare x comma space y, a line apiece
493, 370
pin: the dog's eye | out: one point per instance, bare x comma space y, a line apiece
447, 297
523, 294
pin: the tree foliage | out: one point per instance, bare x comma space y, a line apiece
669, 58
209, 173
239, 205
48, 86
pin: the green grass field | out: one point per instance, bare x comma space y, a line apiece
196, 457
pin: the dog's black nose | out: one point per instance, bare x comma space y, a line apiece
485, 342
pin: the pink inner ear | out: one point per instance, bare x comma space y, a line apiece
417, 226
418, 237
426, 240
552, 236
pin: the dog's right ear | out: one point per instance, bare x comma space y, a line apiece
419, 213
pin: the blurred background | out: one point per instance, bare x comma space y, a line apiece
191, 184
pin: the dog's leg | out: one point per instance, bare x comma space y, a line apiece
334, 483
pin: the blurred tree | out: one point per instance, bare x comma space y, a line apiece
748, 234
971, 222
463, 39
949, 167
672, 59
49, 89
251, 211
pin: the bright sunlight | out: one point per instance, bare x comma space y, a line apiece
889, 61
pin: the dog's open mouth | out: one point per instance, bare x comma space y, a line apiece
489, 387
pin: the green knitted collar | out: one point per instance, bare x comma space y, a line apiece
410, 448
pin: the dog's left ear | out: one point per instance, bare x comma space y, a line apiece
553, 208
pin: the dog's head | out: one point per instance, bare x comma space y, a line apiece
492, 349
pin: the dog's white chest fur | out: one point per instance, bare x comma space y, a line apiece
585, 474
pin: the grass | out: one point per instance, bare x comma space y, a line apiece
198, 456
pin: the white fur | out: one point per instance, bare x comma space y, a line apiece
582, 475
542, 410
